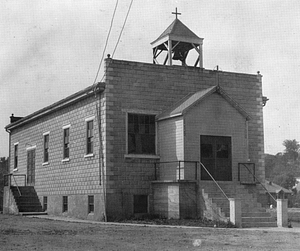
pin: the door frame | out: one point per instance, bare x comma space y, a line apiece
30, 177
214, 157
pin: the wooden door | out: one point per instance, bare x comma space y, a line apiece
31, 167
216, 157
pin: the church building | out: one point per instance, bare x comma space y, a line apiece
168, 138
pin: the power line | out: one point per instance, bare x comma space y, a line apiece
120, 34
111, 24
122, 28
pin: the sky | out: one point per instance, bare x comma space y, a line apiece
52, 49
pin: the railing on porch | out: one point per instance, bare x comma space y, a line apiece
214, 181
250, 177
15, 180
182, 170
176, 170
246, 173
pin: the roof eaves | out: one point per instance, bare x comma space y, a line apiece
222, 92
58, 105
210, 91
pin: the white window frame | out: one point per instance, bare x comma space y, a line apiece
64, 159
141, 156
87, 155
45, 162
16, 166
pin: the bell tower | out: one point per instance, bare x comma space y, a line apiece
176, 42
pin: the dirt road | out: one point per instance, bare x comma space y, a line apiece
22, 233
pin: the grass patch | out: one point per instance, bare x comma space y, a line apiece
157, 220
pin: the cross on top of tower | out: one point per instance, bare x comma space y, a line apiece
176, 13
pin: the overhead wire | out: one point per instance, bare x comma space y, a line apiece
106, 42
101, 164
122, 28
121, 32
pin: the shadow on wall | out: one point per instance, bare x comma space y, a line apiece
3, 170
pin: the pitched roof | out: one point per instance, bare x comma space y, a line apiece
99, 87
179, 32
274, 188
194, 98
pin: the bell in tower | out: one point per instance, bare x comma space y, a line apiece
176, 42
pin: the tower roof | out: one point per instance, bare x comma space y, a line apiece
177, 31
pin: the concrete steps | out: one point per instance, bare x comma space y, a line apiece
253, 214
28, 201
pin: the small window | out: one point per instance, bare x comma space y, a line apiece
45, 203
16, 156
46, 148
141, 134
66, 143
91, 204
65, 204
140, 204
90, 137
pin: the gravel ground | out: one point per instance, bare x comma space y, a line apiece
24, 233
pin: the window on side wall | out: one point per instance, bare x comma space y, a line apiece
89, 137
46, 147
16, 155
141, 134
91, 204
66, 143
45, 203
65, 204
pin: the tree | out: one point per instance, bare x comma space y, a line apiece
291, 151
286, 180
283, 168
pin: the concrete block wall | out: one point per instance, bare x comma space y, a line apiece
175, 200
166, 199
76, 178
188, 200
133, 87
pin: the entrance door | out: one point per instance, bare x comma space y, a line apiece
31, 167
216, 157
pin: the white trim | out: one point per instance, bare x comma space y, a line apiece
46, 133
140, 111
15, 170
89, 155
30, 148
63, 142
89, 118
17, 143
45, 163
66, 126
141, 156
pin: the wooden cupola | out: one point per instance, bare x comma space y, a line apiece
176, 41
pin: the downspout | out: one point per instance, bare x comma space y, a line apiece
101, 160
247, 140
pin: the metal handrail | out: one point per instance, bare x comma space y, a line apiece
17, 185
259, 181
196, 174
13, 175
239, 172
179, 166
214, 181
